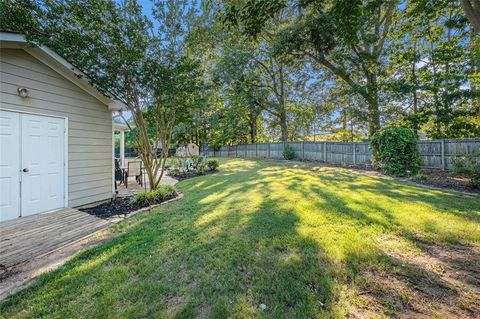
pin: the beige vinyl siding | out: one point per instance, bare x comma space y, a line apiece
89, 121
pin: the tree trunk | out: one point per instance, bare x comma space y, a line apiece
472, 11
253, 130
344, 112
475, 69
436, 101
373, 107
415, 94
283, 106
283, 126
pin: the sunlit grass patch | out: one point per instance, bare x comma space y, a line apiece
306, 241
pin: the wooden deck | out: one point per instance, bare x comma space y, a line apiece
25, 238
29, 237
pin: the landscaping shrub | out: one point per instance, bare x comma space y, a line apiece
212, 164
155, 196
201, 168
195, 159
468, 165
394, 151
420, 177
288, 152
475, 181
144, 198
174, 172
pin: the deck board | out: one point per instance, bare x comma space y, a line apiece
33, 236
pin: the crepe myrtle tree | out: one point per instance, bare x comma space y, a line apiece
175, 90
114, 44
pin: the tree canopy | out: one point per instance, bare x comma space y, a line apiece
237, 71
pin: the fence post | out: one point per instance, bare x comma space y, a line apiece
325, 152
268, 150
245, 151
303, 150
443, 153
354, 154
256, 150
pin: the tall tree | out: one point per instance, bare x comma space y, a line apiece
352, 51
472, 11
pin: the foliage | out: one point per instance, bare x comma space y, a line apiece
462, 165
248, 222
394, 151
144, 198
413, 63
475, 180
288, 152
201, 168
230, 72
212, 164
468, 165
195, 159
174, 172
154, 196
420, 177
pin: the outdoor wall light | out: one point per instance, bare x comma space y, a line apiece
23, 92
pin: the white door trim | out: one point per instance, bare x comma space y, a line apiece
65, 147
65, 162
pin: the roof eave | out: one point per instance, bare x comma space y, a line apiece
60, 65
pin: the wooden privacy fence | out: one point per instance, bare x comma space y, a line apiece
434, 153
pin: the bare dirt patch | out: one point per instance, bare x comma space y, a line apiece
439, 280
445, 179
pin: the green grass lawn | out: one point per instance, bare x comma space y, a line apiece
306, 241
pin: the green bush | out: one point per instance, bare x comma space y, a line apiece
174, 172
288, 152
212, 164
155, 196
420, 177
195, 159
201, 168
144, 198
475, 180
468, 165
394, 151
164, 191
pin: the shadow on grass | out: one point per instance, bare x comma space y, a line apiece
292, 239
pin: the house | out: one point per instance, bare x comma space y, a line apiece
187, 150
56, 133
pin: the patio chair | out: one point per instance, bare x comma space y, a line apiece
134, 169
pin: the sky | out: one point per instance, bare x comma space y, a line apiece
146, 7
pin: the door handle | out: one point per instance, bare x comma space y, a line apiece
25, 170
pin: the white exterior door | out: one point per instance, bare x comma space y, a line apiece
43, 164
9, 165
32, 164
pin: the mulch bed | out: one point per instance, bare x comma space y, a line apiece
120, 206
432, 177
445, 179
191, 174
